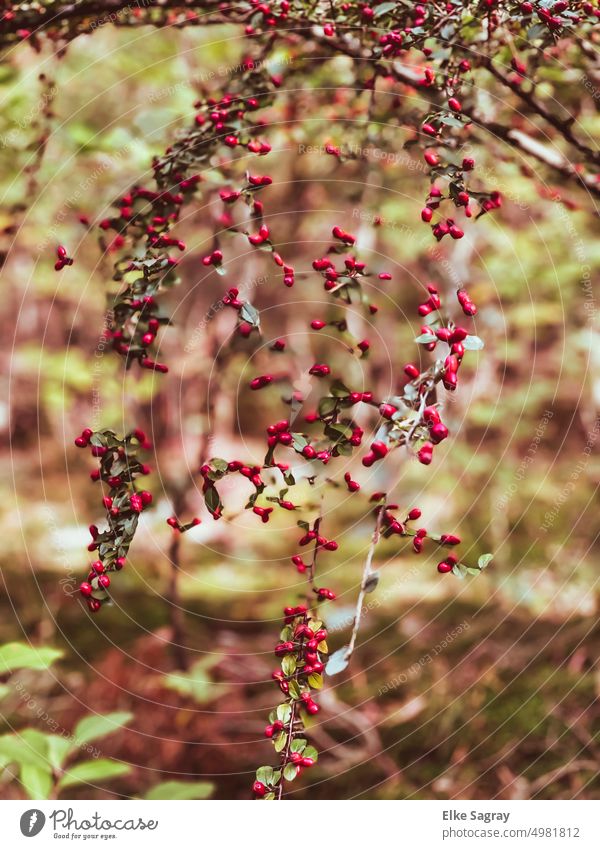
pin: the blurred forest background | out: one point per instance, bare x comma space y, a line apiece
480, 688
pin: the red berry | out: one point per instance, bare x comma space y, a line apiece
425, 454
380, 449
449, 539
438, 432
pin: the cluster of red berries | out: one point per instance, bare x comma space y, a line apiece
173, 522
378, 451
215, 258
150, 214
118, 468
302, 651
63, 258
458, 194
392, 525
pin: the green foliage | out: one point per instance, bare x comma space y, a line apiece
93, 727
44, 760
22, 656
197, 682
181, 790
91, 772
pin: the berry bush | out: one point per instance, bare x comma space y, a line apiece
343, 407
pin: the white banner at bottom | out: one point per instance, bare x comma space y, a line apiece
178, 825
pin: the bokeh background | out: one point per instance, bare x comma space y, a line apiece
483, 688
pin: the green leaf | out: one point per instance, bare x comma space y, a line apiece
316, 681
473, 343
327, 405
265, 774
295, 691
450, 121
37, 782
212, 500
27, 748
290, 771
299, 442
308, 720
460, 570
197, 682
250, 314
23, 656
280, 741
311, 752
58, 749
91, 727
337, 662
384, 9
485, 560
284, 713
90, 772
425, 339
218, 464
298, 745
288, 664
339, 389
181, 790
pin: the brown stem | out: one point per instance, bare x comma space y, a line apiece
565, 128
173, 597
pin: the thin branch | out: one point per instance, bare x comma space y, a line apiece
367, 573
176, 610
565, 128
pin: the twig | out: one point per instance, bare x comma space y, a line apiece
367, 572
176, 611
